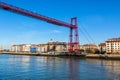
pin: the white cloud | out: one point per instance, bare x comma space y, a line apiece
56, 31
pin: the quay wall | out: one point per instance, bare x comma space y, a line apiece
104, 56
92, 56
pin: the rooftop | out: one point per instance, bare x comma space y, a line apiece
114, 40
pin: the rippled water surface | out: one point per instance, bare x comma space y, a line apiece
21, 67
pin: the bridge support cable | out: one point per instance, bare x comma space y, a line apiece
84, 31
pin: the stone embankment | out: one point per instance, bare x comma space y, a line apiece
104, 56
93, 56
37, 54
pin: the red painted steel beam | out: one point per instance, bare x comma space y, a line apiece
12, 8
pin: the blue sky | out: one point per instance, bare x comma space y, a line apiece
101, 19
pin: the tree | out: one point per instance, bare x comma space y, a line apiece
89, 51
82, 50
97, 51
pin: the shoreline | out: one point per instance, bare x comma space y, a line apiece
86, 56
42, 54
104, 56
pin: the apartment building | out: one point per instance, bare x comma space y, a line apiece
23, 48
41, 48
16, 48
113, 45
59, 46
26, 48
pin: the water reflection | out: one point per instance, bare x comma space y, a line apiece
73, 73
18, 67
111, 67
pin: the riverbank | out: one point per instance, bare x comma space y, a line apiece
56, 54
104, 56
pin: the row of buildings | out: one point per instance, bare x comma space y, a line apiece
109, 46
41, 48
50, 46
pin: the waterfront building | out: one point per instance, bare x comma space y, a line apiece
26, 48
16, 48
33, 48
57, 46
41, 48
102, 47
113, 45
89, 47
60, 46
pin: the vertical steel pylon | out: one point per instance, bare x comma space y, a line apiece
73, 46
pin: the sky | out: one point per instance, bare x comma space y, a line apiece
100, 19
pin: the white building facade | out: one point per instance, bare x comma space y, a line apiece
113, 45
15, 48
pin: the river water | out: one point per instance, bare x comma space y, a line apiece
21, 67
